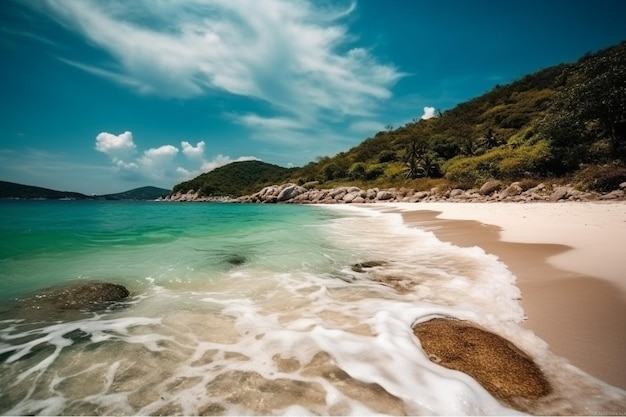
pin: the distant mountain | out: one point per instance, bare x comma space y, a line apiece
143, 193
11, 190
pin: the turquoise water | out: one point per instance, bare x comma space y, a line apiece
245, 309
45, 243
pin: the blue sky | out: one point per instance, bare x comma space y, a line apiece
105, 96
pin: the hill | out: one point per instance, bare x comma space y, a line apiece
236, 179
11, 190
566, 123
143, 193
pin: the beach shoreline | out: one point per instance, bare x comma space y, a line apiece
568, 265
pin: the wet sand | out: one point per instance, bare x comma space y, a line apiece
582, 317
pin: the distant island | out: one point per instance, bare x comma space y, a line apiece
14, 191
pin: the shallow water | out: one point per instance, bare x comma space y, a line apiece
251, 309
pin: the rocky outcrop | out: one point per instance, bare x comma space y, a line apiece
498, 365
493, 190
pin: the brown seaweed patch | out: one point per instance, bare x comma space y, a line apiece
498, 365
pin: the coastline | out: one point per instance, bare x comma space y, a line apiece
568, 261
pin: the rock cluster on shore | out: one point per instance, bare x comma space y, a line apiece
490, 191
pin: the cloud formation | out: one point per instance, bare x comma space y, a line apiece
162, 164
115, 145
429, 113
295, 55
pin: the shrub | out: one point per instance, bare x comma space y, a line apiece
525, 160
387, 156
606, 177
357, 171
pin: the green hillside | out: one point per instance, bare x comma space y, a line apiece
237, 178
11, 190
565, 123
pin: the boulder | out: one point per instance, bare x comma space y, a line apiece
289, 192
371, 193
511, 191
558, 194
384, 195
613, 195
349, 198
456, 193
93, 295
420, 195
489, 187
498, 365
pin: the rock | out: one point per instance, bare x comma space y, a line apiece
613, 195
622, 186
558, 194
489, 187
290, 192
456, 192
371, 193
511, 191
384, 195
421, 195
236, 260
349, 198
536, 189
92, 295
498, 365
362, 266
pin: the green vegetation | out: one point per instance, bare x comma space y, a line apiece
566, 122
238, 178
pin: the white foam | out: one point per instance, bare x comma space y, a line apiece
274, 340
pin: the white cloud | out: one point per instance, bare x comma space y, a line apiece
256, 121
295, 55
221, 160
163, 152
162, 165
193, 151
429, 113
115, 145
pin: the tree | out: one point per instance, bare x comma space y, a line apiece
357, 171
590, 113
420, 161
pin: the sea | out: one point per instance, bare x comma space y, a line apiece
252, 309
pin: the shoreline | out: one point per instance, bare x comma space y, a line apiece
581, 315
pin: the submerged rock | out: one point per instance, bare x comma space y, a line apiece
498, 365
236, 260
362, 266
91, 295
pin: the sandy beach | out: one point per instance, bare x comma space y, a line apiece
570, 262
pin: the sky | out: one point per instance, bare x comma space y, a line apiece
102, 96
